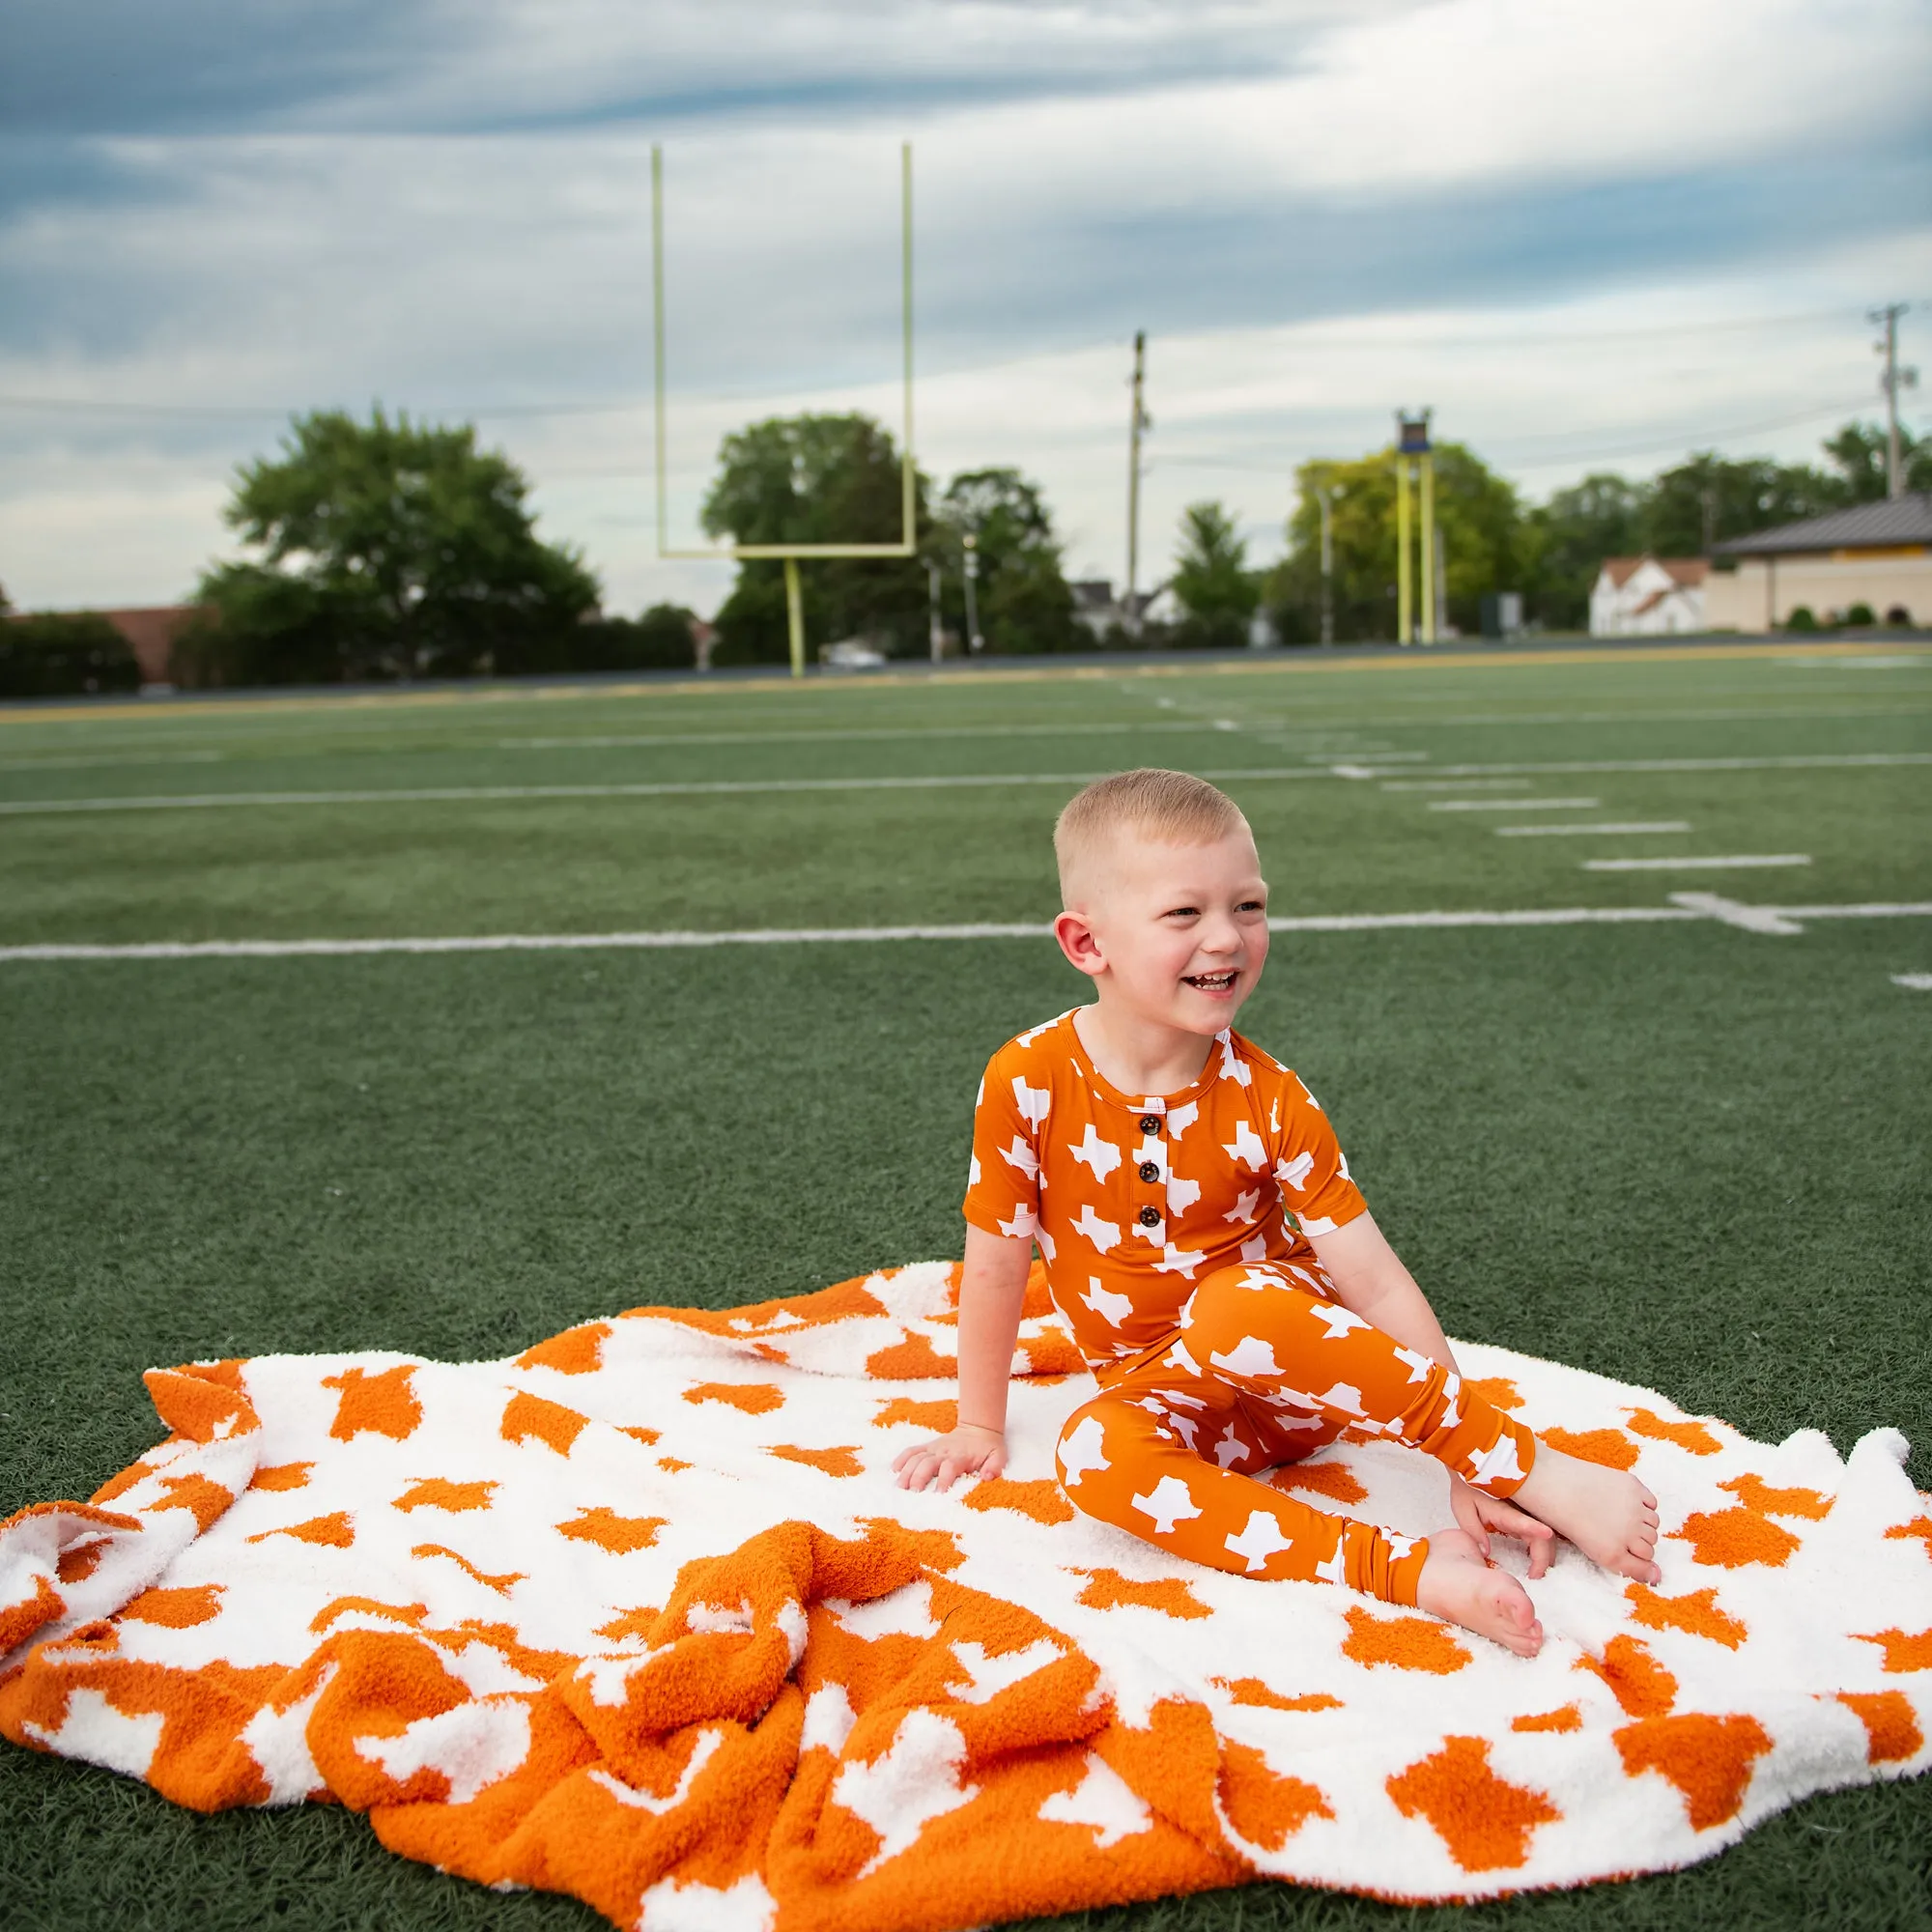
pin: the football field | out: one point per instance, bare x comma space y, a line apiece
437, 1021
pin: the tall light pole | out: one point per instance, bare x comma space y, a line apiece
975, 642
1137, 424
1411, 455
1889, 384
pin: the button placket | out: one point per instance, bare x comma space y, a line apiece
1151, 1169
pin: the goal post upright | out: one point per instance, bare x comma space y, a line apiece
787, 554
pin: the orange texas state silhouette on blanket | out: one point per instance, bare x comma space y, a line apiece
640, 1615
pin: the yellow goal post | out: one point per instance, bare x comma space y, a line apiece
789, 553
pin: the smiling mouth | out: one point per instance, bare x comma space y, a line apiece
1211, 983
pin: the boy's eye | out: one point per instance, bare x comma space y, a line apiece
1182, 912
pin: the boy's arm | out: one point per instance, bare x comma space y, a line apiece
1370, 1278
992, 1289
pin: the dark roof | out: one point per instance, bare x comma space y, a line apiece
1896, 520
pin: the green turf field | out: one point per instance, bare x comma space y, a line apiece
1687, 1153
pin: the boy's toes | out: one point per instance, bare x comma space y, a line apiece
1513, 1622
1638, 1565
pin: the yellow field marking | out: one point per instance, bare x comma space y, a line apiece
1284, 664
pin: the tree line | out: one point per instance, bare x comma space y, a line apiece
396, 550
1550, 551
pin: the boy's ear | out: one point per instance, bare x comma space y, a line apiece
1080, 944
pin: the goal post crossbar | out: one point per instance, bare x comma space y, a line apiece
788, 553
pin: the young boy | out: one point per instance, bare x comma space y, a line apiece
1223, 1276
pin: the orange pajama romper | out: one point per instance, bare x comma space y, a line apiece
1174, 1231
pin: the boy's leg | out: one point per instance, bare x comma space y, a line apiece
1126, 1458
1262, 1331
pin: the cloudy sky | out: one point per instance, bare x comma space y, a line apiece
1591, 237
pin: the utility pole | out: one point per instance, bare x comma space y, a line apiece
1325, 494
1438, 590
1889, 384
1137, 424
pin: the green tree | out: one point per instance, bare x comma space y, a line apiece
815, 479
390, 548
1217, 592
1024, 603
1565, 540
1707, 499
1858, 453
1478, 514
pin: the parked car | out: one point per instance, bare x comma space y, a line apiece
852, 654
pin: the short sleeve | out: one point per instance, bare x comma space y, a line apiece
1003, 1184
1309, 1165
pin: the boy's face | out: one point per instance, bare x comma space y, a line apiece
1177, 933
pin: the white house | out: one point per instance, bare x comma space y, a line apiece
1648, 596
1100, 612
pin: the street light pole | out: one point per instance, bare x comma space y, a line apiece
1325, 496
1137, 425
974, 641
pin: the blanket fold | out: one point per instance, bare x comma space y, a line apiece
640, 1615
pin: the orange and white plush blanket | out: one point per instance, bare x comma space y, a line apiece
641, 1616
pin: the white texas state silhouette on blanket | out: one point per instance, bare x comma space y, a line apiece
640, 1615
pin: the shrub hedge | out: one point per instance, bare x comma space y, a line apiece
286, 635
62, 654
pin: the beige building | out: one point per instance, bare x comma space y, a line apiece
1878, 554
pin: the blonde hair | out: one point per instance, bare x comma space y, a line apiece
1166, 807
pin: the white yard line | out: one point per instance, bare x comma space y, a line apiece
63, 764
1914, 983
1430, 721
1741, 861
670, 788
1771, 920
1372, 757
866, 734
1515, 804
1684, 907
1914, 662
1453, 785
726, 787
1816, 761
1619, 826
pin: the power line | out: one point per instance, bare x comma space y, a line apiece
1730, 435
620, 406
255, 411
1574, 453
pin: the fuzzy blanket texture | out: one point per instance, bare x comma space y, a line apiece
641, 1616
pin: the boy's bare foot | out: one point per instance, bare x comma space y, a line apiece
1456, 1583
1609, 1516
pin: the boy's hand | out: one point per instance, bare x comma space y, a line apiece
1479, 1512
969, 1451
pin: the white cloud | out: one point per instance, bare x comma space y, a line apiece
1319, 212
